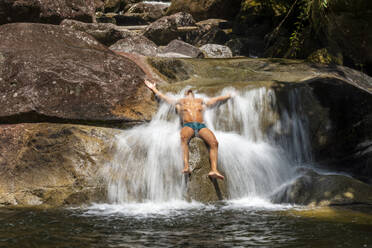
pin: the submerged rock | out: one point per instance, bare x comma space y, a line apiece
200, 187
56, 74
320, 190
46, 11
51, 165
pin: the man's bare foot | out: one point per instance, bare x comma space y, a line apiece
186, 171
215, 174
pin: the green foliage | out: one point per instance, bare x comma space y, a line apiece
305, 9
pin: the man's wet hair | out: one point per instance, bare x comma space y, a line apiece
189, 91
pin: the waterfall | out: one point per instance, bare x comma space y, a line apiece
259, 147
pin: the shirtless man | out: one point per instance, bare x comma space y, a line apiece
191, 111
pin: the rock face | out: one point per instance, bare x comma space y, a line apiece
180, 47
46, 11
56, 74
51, 165
136, 44
216, 51
106, 33
205, 9
165, 29
200, 187
319, 190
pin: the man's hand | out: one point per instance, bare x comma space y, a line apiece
150, 85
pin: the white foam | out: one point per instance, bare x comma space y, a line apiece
156, 2
146, 209
255, 203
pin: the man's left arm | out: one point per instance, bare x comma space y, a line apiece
215, 100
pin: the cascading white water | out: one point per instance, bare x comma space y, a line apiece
258, 150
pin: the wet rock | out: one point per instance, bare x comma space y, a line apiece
58, 74
106, 33
216, 51
183, 48
46, 11
51, 165
136, 44
206, 9
315, 189
200, 187
165, 29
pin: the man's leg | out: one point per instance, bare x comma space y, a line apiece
212, 142
186, 134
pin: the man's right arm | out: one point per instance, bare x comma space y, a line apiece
152, 86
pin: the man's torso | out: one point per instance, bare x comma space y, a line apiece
191, 110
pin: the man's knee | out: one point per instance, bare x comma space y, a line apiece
184, 138
214, 144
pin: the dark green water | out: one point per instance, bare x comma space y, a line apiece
150, 225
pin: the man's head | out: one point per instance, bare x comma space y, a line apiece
189, 93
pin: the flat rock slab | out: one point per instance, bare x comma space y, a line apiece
200, 187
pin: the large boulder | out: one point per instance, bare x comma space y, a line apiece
106, 33
136, 44
46, 11
56, 74
205, 9
165, 29
315, 189
51, 165
216, 51
200, 187
180, 47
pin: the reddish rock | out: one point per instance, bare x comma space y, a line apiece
46, 11
58, 74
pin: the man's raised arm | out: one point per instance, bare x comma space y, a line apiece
152, 86
215, 100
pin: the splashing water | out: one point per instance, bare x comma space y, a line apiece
258, 149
